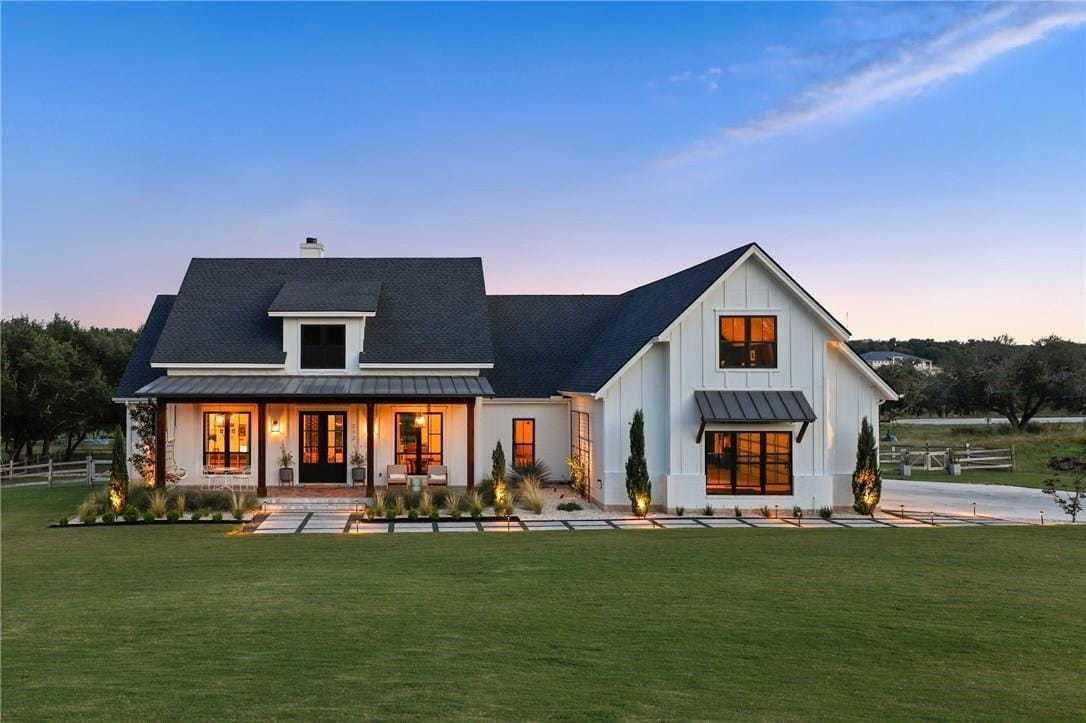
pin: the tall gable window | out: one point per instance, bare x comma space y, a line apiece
523, 442
748, 342
324, 346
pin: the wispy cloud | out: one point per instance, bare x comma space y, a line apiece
904, 67
710, 78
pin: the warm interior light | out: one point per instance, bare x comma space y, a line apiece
219, 419
275, 426
420, 420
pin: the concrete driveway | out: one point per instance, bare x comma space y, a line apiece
1005, 501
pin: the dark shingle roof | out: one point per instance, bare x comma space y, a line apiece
318, 296
139, 370
539, 339
431, 310
643, 313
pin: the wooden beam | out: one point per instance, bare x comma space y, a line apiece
471, 445
369, 448
261, 449
802, 431
701, 431
160, 443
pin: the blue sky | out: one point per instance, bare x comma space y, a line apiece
920, 168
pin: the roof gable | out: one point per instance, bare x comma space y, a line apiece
139, 371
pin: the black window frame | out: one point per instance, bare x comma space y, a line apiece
408, 458
748, 347
245, 459
530, 445
328, 355
731, 463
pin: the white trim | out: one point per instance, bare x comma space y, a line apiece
838, 330
172, 365
425, 366
525, 400
586, 395
889, 395
322, 314
124, 400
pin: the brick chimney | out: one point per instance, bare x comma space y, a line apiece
312, 249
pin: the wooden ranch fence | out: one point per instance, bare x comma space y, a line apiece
941, 458
51, 472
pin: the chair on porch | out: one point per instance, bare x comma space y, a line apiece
396, 474
174, 474
437, 476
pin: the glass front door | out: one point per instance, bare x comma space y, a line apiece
322, 458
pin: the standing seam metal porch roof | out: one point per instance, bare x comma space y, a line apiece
241, 387
759, 406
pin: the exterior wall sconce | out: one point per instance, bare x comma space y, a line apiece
275, 426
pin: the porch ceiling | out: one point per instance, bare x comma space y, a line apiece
262, 387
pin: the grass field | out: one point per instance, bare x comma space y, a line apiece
192, 622
1032, 450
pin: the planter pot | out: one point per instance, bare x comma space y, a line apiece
358, 474
906, 470
286, 474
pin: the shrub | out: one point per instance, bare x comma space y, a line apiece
638, 485
570, 507
765, 511
215, 500
131, 514
216, 516
240, 503
531, 495
486, 490
426, 504
825, 512
379, 504
797, 511
410, 499
63, 521
497, 465
452, 502
371, 513
148, 516
708, 511
109, 517
435, 514
173, 515
138, 494
439, 496
156, 504
578, 474
412, 514
475, 504
179, 502
397, 508
738, 512
454, 512
88, 512
866, 479
680, 510
197, 515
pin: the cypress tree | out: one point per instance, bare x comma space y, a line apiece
497, 464
118, 473
638, 486
867, 479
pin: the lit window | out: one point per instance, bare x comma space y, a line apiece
748, 463
418, 445
226, 441
523, 442
748, 342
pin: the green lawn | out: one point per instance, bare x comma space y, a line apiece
1032, 449
193, 622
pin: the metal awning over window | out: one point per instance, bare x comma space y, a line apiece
760, 407
264, 387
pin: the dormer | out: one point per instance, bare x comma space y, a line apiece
324, 323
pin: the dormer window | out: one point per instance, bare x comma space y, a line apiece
324, 346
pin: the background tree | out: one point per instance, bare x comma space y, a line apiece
866, 479
638, 485
1017, 382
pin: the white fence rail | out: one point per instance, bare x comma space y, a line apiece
90, 470
947, 458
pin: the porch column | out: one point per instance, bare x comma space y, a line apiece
369, 449
261, 449
471, 444
160, 443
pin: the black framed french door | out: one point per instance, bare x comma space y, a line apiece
322, 453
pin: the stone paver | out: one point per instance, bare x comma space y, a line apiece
340, 522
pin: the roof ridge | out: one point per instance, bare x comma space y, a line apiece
698, 265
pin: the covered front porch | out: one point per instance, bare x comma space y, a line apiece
234, 431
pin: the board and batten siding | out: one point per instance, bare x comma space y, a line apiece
663, 380
551, 432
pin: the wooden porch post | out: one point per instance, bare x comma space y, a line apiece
369, 448
471, 444
261, 449
160, 443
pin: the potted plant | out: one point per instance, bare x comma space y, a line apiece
358, 467
286, 465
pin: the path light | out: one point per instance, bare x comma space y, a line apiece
974, 509
799, 517
902, 511
776, 511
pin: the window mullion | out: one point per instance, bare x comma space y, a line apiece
762, 460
